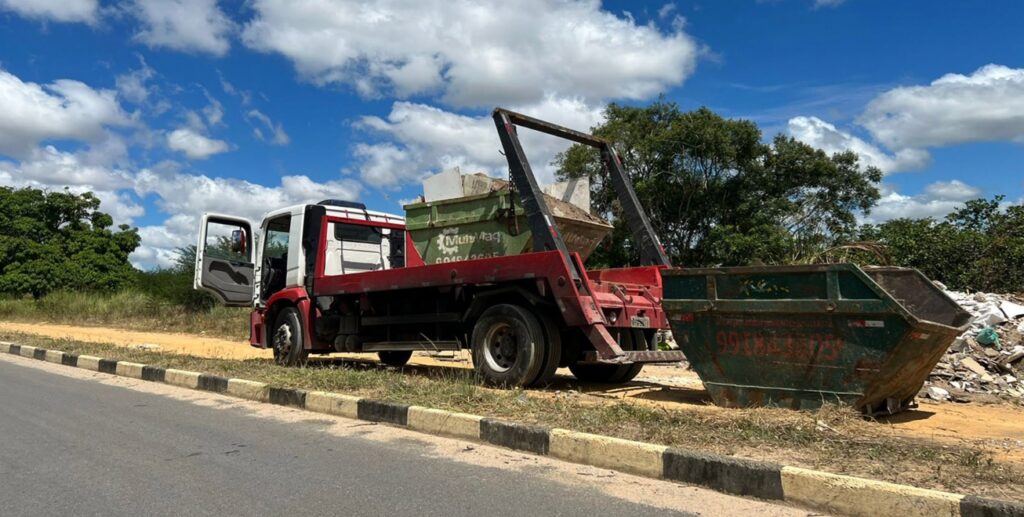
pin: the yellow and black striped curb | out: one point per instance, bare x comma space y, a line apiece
808, 488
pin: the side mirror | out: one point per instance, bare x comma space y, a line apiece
238, 241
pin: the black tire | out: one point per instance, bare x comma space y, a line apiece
632, 370
508, 346
553, 351
611, 373
395, 357
287, 338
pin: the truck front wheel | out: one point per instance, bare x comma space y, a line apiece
508, 346
287, 338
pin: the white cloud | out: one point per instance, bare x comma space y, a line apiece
954, 190
937, 200
817, 133
54, 10
65, 109
92, 170
426, 139
47, 166
182, 196
986, 105
195, 145
132, 85
186, 25
30, 114
473, 53
213, 111
277, 134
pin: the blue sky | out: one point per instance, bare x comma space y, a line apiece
168, 109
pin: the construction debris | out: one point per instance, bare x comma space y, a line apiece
988, 359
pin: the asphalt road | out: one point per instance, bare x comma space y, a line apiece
79, 447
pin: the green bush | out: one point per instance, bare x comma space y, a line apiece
978, 247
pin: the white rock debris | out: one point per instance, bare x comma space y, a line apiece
970, 368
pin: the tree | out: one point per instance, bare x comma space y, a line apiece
60, 240
979, 246
715, 193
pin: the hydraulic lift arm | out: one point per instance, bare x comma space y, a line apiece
537, 213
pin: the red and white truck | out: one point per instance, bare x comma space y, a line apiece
337, 277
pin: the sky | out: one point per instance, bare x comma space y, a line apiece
168, 109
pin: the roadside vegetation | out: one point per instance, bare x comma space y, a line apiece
833, 439
128, 309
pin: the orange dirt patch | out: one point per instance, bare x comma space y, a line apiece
189, 344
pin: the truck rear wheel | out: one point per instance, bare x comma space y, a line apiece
612, 373
552, 352
395, 357
508, 346
287, 338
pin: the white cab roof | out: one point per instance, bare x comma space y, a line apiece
340, 211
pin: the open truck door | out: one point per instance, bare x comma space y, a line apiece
224, 259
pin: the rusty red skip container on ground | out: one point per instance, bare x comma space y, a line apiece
801, 336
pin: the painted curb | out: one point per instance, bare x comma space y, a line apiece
514, 435
333, 404
251, 390
974, 506
846, 495
54, 356
127, 369
447, 423
736, 476
287, 396
640, 458
808, 488
180, 378
384, 412
88, 362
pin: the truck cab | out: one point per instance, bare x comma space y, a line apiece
245, 269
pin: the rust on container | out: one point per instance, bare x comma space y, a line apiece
800, 336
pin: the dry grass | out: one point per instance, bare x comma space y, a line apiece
129, 310
832, 439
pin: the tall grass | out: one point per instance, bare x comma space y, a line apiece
132, 309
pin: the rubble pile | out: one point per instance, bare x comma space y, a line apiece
989, 357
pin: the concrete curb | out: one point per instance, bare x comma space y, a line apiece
832, 493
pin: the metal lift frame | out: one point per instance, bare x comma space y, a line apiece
546, 236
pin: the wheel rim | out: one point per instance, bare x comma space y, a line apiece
283, 340
500, 347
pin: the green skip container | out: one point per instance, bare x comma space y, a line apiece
801, 336
493, 225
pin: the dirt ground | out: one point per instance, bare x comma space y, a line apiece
999, 426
